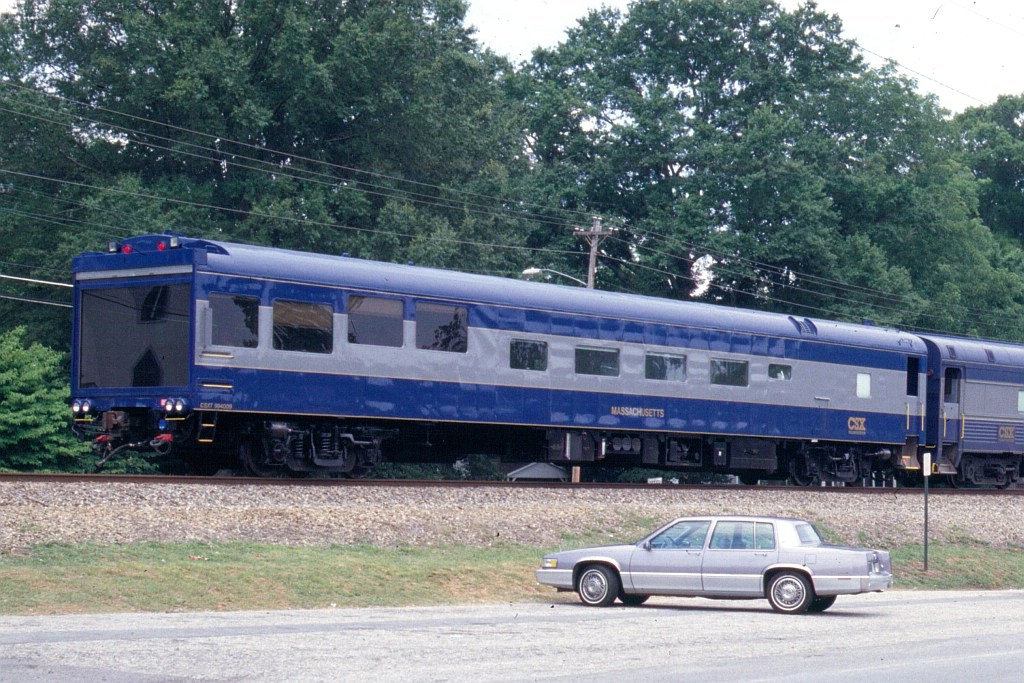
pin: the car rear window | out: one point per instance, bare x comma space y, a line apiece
808, 534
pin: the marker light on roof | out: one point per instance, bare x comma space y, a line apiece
126, 249
160, 246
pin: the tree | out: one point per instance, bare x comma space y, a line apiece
992, 141
34, 415
754, 159
298, 124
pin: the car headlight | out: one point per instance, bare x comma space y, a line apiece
549, 563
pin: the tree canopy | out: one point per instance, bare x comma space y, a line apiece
745, 152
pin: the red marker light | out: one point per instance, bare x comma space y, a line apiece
160, 246
126, 249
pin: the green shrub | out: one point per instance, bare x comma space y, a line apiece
35, 420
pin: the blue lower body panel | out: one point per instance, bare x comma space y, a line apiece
286, 393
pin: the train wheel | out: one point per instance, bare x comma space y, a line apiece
253, 455
798, 473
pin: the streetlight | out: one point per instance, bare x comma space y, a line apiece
534, 272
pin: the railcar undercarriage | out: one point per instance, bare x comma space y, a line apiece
206, 441
750, 459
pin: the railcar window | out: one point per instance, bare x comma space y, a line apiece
441, 328
590, 361
670, 368
863, 385
374, 320
1020, 401
733, 373
913, 372
154, 305
135, 336
779, 371
528, 355
300, 326
952, 391
236, 320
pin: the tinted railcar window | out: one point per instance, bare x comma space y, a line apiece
528, 355
729, 372
779, 371
670, 368
236, 320
913, 375
135, 336
603, 362
299, 326
441, 328
952, 390
373, 320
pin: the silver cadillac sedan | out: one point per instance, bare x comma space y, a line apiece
783, 560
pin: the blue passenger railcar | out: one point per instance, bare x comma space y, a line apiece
976, 409
304, 362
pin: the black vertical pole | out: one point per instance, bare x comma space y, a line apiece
927, 476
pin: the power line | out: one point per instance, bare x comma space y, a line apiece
34, 281
288, 219
34, 301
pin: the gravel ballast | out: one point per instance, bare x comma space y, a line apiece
119, 513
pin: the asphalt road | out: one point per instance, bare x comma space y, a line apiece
898, 635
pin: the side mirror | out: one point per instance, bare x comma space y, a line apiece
646, 545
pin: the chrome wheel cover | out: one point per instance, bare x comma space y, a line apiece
788, 592
593, 586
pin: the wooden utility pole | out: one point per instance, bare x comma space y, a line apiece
594, 236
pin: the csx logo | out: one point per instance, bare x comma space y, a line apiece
1006, 433
857, 425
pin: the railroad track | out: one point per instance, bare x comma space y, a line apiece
455, 484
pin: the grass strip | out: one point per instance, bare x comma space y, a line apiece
160, 577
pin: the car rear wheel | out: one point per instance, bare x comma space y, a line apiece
632, 599
790, 593
821, 604
598, 586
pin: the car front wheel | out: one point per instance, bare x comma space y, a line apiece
790, 593
598, 586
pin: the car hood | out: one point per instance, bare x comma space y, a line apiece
618, 550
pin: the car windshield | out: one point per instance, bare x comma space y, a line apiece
685, 534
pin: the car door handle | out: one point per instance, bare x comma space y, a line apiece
760, 554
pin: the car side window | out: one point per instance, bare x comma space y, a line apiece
689, 535
764, 536
733, 536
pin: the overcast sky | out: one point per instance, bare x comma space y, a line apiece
964, 51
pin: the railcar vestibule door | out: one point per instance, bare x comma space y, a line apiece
952, 412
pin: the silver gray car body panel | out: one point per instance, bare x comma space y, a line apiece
733, 573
